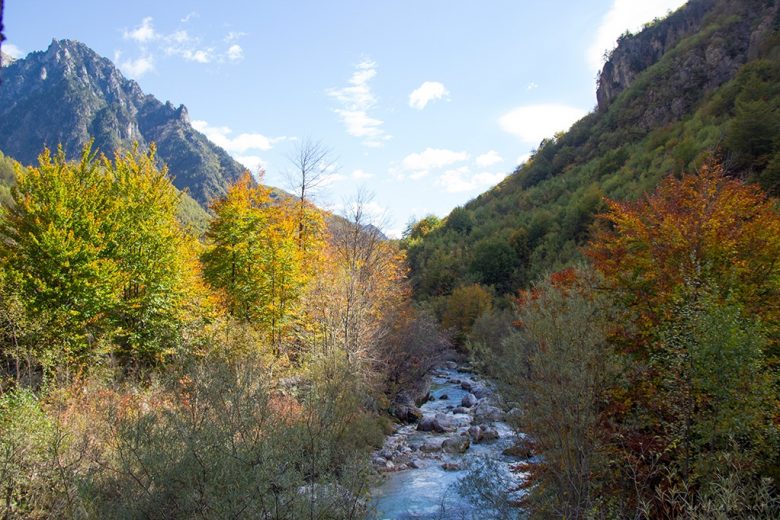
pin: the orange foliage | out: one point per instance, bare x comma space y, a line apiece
703, 228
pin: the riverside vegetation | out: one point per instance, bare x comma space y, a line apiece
263, 360
149, 374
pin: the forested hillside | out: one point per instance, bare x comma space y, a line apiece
704, 82
623, 284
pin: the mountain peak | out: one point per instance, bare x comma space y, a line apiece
68, 94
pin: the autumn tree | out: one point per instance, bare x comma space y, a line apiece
558, 363
93, 247
703, 228
694, 266
254, 256
360, 286
464, 306
149, 246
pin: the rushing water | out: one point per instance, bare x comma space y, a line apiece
422, 481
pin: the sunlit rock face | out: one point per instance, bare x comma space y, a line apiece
696, 65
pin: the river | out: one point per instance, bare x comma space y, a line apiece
452, 463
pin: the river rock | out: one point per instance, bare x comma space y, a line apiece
460, 409
450, 365
444, 397
484, 412
415, 464
458, 444
481, 434
466, 385
468, 400
425, 424
450, 466
489, 434
443, 423
431, 446
480, 391
518, 450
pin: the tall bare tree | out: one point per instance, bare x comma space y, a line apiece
311, 163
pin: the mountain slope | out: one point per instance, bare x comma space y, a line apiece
68, 93
705, 81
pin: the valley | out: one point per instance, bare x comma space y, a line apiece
596, 335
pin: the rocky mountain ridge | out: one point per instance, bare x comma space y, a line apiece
733, 32
69, 94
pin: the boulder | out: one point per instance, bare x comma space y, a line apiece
484, 412
458, 444
450, 466
443, 423
444, 397
520, 450
431, 446
480, 391
468, 400
466, 385
489, 434
460, 409
426, 424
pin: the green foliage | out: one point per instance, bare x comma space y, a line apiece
716, 388
493, 263
557, 365
31, 480
94, 251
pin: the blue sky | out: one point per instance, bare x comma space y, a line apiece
424, 103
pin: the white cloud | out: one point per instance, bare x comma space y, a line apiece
254, 163
461, 179
184, 45
134, 68
235, 52
361, 174
331, 178
625, 15
488, 159
357, 99
427, 92
238, 145
190, 16
532, 86
143, 33
233, 36
197, 55
532, 123
12, 50
420, 164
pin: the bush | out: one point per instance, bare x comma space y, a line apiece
221, 442
35, 480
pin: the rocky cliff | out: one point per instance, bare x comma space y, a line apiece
704, 43
68, 94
